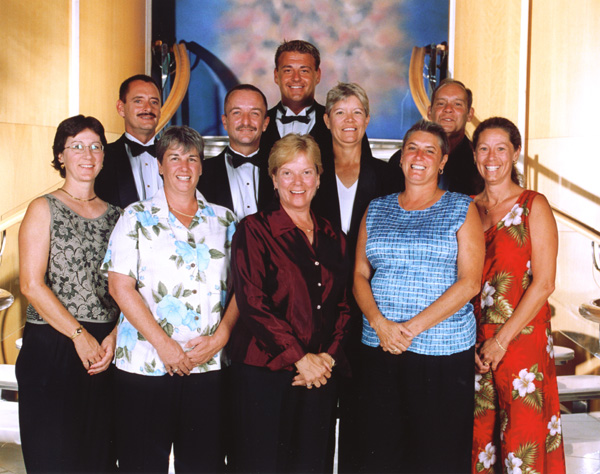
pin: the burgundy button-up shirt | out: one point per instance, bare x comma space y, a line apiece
291, 295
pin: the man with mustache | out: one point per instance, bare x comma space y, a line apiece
237, 178
452, 108
130, 171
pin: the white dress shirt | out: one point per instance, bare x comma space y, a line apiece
295, 127
243, 184
145, 170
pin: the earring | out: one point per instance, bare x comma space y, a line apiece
62, 166
441, 171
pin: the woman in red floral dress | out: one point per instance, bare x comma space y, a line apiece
517, 415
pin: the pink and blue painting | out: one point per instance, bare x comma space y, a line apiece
364, 41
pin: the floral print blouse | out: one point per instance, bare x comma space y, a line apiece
181, 274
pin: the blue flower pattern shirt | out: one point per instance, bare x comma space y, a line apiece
181, 274
414, 258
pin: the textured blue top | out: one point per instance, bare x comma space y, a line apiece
413, 255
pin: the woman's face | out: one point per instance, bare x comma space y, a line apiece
422, 158
495, 155
83, 156
180, 169
296, 182
347, 121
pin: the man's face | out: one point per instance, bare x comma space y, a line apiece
245, 119
297, 77
141, 110
450, 109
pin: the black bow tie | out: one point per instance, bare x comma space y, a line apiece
239, 160
136, 149
285, 119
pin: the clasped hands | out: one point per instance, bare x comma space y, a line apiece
394, 338
313, 370
197, 351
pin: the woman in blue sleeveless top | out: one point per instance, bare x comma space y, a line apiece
419, 262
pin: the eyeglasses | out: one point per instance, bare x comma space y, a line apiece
79, 147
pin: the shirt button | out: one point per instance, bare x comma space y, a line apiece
317, 264
319, 284
192, 265
318, 306
194, 291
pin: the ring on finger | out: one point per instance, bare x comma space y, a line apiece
175, 369
309, 385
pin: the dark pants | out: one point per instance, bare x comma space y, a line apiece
277, 427
417, 412
155, 413
66, 415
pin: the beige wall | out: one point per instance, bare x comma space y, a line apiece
486, 55
559, 115
34, 98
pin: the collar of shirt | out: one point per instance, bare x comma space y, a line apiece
159, 201
295, 127
280, 222
133, 139
229, 152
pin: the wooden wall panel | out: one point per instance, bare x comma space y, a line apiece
487, 54
109, 55
34, 93
33, 64
564, 68
563, 104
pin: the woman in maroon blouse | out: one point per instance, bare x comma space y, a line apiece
289, 272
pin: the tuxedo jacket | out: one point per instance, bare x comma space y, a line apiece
215, 187
371, 184
115, 182
319, 132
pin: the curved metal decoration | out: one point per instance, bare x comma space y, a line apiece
180, 86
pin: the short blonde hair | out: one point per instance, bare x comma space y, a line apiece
290, 146
343, 91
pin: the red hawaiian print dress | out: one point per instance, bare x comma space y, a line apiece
517, 415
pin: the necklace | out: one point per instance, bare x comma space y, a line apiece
487, 211
179, 212
76, 198
304, 228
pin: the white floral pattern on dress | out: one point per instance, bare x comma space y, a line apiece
487, 295
554, 425
524, 383
488, 457
181, 274
513, 464
514, 216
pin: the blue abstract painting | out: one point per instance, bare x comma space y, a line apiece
364, 41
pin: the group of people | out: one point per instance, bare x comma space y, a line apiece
230, 310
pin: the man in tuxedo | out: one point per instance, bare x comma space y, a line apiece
297, 73
238, 177
130, 171
452, 108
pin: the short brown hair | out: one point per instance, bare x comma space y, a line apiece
298, 46
181, 135
290, 146
447, 82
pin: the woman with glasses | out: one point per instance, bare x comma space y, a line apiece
65, 385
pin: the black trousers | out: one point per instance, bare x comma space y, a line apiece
416, 412
277, 427
155, 413
65, 415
